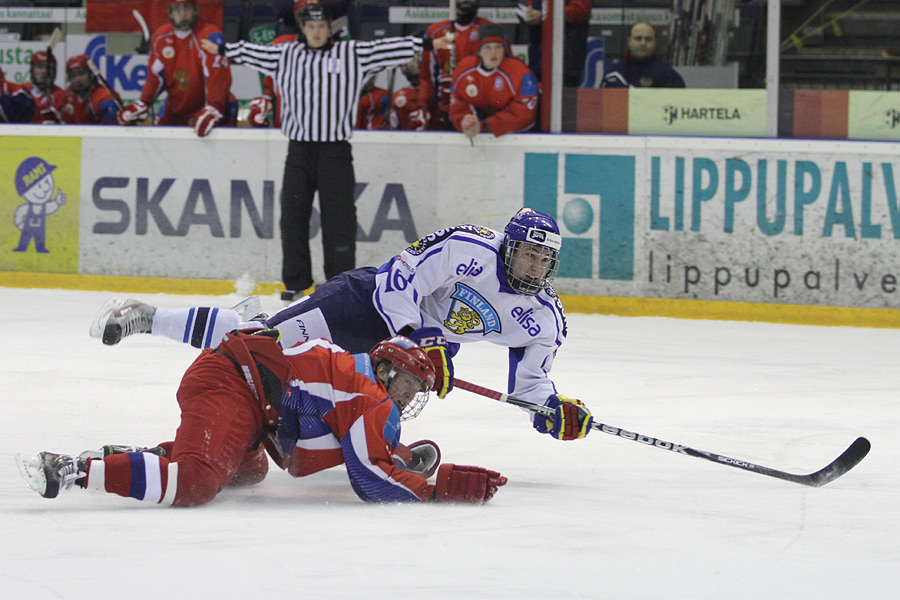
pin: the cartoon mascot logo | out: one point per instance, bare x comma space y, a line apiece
35, 184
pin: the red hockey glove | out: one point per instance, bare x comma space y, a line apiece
260, 108
131, 114
474, 485
418, 119
50, 116
571, 420
441, 353
208, 118
421, 458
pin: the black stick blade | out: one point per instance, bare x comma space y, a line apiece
843, 463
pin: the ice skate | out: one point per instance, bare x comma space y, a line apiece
48, 473
248, 308
120, 317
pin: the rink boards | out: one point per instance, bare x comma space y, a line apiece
747, 225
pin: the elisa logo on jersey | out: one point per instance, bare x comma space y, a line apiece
471, 313
591, 196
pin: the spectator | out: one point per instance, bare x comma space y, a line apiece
85, 101
196, 83
577, 14
640, 67
437, 66
317, 76
406, 112
16, 104
312, 407
373, 106
43, 89
493, 92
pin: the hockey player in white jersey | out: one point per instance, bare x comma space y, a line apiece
457, 285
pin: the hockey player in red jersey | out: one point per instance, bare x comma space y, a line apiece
312, 407
436, 69
196, 83
406, 111
493, 92
47, 95
85, 101
373, 106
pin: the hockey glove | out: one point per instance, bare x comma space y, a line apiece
418, 119
260, 107
208, 118
571, 420
131, 114
421, 458
474, 485
51, 116
441, 353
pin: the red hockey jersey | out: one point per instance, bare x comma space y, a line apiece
99, 107
190, 77
504, 99
372, 109
435, 70
334, 412
403, 105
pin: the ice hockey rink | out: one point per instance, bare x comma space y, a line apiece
602, 517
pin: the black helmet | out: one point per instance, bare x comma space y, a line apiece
313, 11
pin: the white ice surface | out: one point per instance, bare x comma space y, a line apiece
598, 518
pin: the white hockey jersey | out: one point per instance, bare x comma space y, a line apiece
453, 279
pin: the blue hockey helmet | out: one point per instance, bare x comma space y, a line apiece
531, 251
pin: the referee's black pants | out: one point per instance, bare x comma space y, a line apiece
326, 167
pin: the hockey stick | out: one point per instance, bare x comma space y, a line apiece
55, 38
452, 49
453, 32
105, 84
843, 463
144, 48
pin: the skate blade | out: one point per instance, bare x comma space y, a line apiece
106, 311
248, 308
32, 474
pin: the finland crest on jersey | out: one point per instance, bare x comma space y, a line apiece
471, 313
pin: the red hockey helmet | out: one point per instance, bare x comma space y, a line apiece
411, 373
46, 60
79, 61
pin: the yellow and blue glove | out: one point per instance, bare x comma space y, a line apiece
441, 354
571, 419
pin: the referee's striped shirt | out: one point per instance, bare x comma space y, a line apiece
320, 88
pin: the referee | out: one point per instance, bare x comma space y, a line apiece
319, 81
